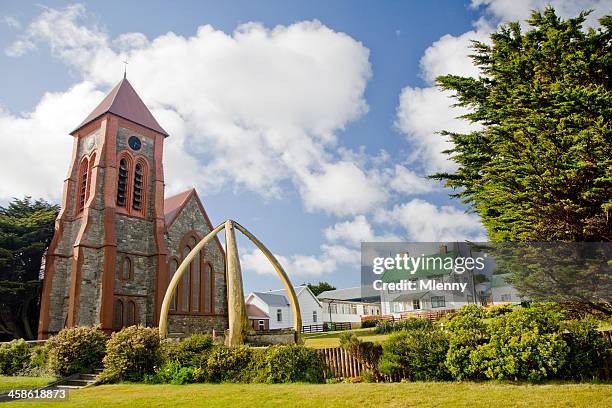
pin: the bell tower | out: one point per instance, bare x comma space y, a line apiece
108, 251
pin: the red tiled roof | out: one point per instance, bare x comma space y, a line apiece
124, 101
255, 312
174, 204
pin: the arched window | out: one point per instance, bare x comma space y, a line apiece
127, 271
185, 286
137, 196
130, 314
195, 283
82, 186
122, 186
171, 271
207, 283
117, 315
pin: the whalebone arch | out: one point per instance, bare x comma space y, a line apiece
238, 324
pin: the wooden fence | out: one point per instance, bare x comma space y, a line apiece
317, 328
340, 363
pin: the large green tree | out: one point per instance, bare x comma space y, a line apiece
26, 229
540, 168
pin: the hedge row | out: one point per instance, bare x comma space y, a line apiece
502, 343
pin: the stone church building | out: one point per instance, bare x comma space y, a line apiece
118, 240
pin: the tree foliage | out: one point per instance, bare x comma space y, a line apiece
540, 167
26, 229
320, 288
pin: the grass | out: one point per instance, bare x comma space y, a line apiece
470, 395
22, 383
332, 339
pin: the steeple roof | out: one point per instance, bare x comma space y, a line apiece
124, 101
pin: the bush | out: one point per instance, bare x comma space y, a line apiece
467, 331
586, 350
498, 310
131, 354
229, 364
369, 323
14, 357
292, 363
191, 352
416, 355
384, 327
365, 351
524, 345
76, 350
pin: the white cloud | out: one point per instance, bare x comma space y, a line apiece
327, 262
407, 181
356, 231
12, 22
341, 188
36, 147
426, 222
250, 110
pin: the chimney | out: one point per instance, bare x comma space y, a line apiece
443, 249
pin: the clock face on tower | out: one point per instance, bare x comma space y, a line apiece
134, 143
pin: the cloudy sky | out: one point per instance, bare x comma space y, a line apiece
311, 123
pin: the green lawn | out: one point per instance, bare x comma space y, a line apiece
332, 339
470, 395
22, 383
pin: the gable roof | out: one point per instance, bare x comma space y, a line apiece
123, 101
355, 294
255, 312
298, 290
272, 299
173, 206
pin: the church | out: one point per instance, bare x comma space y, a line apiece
118, 240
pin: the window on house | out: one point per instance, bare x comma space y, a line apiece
83, 171
416, 304
207, 282
353, 309
185, 286
279, 315
137, 196
117, 315
333, 308
506, 298
126, 269
130, 314
314, 316
262, 325
438, 301
195, 283
122, 183
171, 271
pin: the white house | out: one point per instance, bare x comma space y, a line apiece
398, 302
347, 305
276, 305
502, 291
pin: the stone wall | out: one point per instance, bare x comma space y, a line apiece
268, 338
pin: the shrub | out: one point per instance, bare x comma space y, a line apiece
416, 355
369, 323
131, 353
384, 327
467, 331
524, 345
191, 352
76, 350
292, 363
14, 357
498, 310
229, 364
171, 372
365, 351
586, 350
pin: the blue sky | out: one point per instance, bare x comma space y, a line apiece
326, 111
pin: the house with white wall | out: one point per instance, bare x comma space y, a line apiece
502, 291
276, 305
347, 305
401, 302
